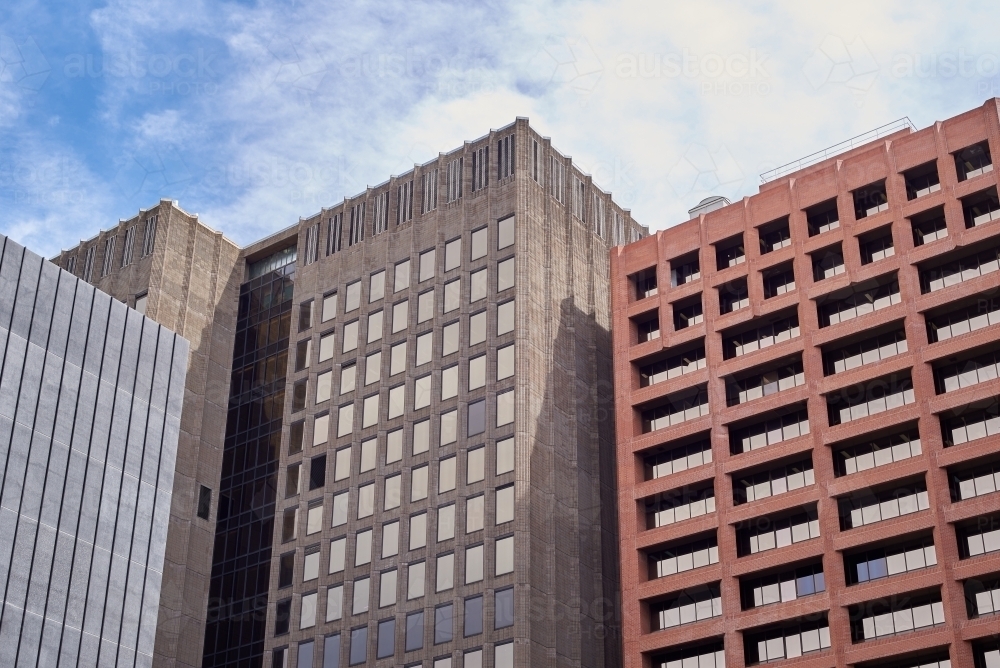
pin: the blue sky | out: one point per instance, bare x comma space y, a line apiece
253, 114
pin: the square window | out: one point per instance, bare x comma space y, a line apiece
390, 539
505, 555
477, 417
340, 508
286, 570
299, 395
505, 232
452, 295
418, 483
421, 436
449, 339
505, 504
477, 328
345, 420
427, 265
375, 327
342, 464
449, 427
415, 631
505, 362
505, 408
415, 576
479, 243
295, 437
353, 300
292, 480
425, 306
446, 523
393, 443
479, 285
445, 573
505, 274
424, 351
369, 411
400, 313
401, 280
363, 548
321, 429
338, 551
453, 254
326, 343
324, 386
348, 375
422, 392
307, 615
475, 469
361, 596
473, 624
505, 455
393, 491
366, 500
369, 451
418, 531
373, 368
397, 402
387, 589
376, 288
449, 382
444, 621
446, 474
477, 372
350, 336
334, 605
397, 358
289, 524
505, 318
317, 472
329, 307
475, 511
359, 645
473, 564
305, 315
386, 645
504, 609
302, 350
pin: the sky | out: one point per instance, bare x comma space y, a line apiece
255, 113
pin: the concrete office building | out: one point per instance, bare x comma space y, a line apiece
414, 464
90, 410
168, 265
807, 414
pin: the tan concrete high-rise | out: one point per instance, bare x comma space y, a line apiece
399, 410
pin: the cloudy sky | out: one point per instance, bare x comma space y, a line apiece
252, 114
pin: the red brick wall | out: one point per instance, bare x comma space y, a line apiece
790, 196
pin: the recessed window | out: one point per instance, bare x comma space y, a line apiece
505, 318
421, 436
394, 446
479, 243
400, 313
870, 200
397, 358
376, 287
922, 180
449, 382
204, 502
418, 483
373, 368
505, 456
353, 299
730, 252
479, 282
342, 464
374, 326
822, 217
876, 245
305, 315
449, 339
422, 392
446, 474
424, 350
477, 417
504, 608
505, 232
317, 472
452, 295
449, 427
453, 254
329, 307
477, 372
778, 280
326, 345
369, 451
292, 480
446, 523
734, 295
645, 283
418, 531
973, 161
286, 570
425, 306
338, 552
350, 336
505, 362
345, 420
827, 262
477, 328
505, 275
427, 265
401, 278
348, 377
774, 235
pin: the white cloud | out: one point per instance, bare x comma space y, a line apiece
260, 114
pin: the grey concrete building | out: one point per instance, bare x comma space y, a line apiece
185, 276
414, 464
90, 410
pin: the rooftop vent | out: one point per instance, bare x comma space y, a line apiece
708, 204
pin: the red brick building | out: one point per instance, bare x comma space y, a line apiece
807, 412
